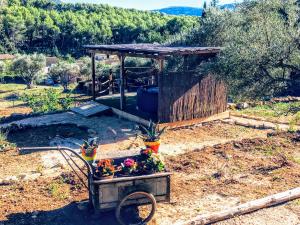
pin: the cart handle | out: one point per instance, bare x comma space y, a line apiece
58, 148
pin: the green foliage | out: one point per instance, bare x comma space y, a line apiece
29, 67
48, 100
4, 144
152, 132
64, 72
274, 109
261, 50
61, 29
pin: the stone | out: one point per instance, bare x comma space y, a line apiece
32, 176
242, 105
51, 173
9, 180
34, 214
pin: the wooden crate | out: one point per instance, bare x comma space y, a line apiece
107, 194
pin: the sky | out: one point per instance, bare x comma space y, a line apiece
150, 4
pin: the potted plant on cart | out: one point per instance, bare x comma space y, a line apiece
151, 135
89, 150
150, 163
105, 169
128, 167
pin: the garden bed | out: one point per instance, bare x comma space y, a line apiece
203, 180
41, 136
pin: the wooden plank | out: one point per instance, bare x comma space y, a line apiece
122, 179
185, 123
130, 117
245, 208
93, 76
122, 84
90, 108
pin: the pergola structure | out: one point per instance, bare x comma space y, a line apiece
152, 51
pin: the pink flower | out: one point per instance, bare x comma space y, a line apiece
129, 162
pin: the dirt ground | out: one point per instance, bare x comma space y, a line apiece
204, 179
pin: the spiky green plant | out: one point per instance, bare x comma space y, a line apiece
152, 132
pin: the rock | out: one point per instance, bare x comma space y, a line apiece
22, 176
34, 214
51, 173
9, 180
32, 176
242, 105
231, 106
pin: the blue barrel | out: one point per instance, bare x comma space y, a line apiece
147, 99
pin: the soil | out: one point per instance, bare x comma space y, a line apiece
7, 111
204, 179
41, 136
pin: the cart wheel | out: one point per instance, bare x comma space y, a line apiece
139, 215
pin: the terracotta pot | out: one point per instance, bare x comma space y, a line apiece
154, 145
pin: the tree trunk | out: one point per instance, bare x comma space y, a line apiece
29, 84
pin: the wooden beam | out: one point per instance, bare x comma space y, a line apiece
245, 208
160, 73
139, 55
122, 82
93, 76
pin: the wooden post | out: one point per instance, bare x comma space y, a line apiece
93, 76
122, 83
111, 88
160, 73
245, 208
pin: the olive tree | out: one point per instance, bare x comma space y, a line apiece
65, 73
29, 67
2, 70
261, 47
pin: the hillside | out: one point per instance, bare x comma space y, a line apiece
60, 29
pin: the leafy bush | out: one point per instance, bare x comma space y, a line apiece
48, 100
29, 67
65, 73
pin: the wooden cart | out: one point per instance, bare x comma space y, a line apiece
119, 193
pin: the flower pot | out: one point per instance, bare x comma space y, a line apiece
154, 145
89, 157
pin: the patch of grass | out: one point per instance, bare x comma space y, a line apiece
296, 160
268, 150
40, 168
296, 202
4, 144
3, 136
57, 190
274, 110
11, 87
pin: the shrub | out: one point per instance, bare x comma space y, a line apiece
65, 73
48, 100
29, 67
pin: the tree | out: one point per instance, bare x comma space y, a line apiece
261, 55
29, 67
2, 70
65, 73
